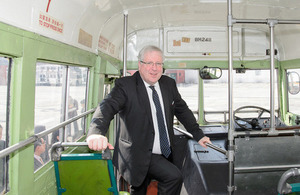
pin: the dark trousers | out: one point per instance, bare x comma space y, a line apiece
166, 173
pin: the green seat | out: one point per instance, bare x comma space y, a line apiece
82, 173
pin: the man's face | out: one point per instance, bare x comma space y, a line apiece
42, 146
151, 73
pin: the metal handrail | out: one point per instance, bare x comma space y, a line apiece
255, 169
283, 187
57, 148
35, 137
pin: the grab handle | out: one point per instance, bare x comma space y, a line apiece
58, 147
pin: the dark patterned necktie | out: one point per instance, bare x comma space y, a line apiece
164, 143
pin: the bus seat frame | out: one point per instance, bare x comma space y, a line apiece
56, 156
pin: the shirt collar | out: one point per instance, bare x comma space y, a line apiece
147, 84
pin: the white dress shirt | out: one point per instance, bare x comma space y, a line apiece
156, 146
39, 158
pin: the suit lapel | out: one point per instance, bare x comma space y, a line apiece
143, 97
165, 95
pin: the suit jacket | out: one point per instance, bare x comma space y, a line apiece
37, 164
135, 137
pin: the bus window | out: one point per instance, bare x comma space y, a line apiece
293, 97
5, 67
187, 83
54, 84
49, 111
76, 101
251, 88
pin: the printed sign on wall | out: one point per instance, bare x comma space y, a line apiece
183, 41
48, 22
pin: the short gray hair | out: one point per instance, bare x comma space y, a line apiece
149, 48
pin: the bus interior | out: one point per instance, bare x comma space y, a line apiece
236, 63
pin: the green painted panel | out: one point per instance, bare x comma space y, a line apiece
84, 177
295, 63
45, 181
111, 69
11, 44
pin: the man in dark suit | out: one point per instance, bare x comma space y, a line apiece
39, 149
146, 103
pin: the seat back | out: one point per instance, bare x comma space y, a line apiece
81, 172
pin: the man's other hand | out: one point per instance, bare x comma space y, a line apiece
98, 142
203, 141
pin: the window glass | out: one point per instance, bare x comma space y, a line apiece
251, 88
59, 89
294, 99
49, 110
76, 102
136, 41
187, 83
4, 87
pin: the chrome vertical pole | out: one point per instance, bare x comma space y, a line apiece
272, 131
230, 22
125, 42
230, 70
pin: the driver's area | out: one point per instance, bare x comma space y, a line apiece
261, 154
254, 118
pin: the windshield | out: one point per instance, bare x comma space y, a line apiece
187, 83
251, 88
